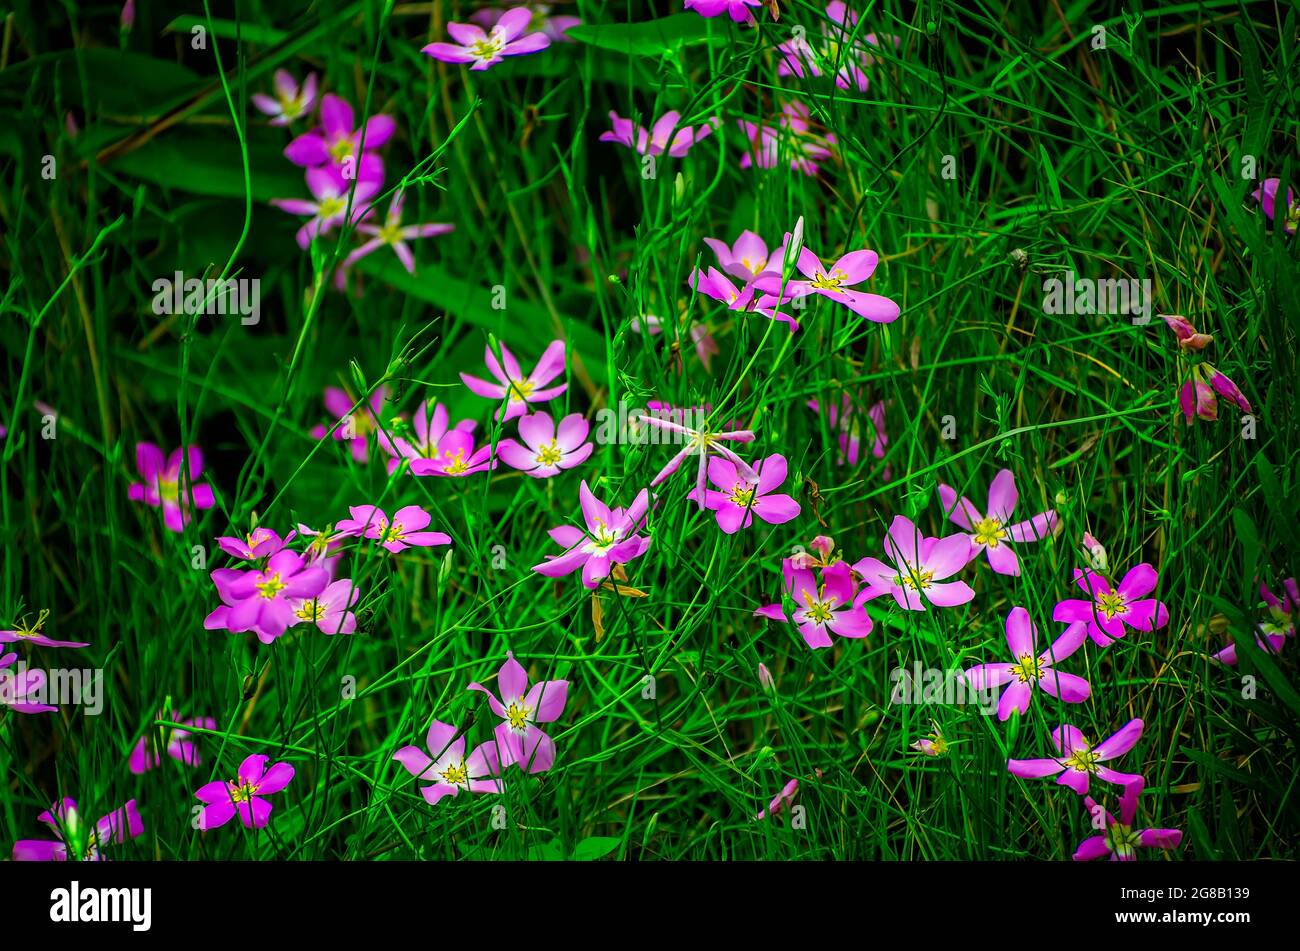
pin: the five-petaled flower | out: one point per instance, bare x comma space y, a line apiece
1030, 669
1119, 840
244, 796
422, 446
338, 143
392, 233
819, 610
610, 539
1110, 611
168, 485
76, 841
547, 449
290, 102
664, 136
484, 48
404, 531
445, 770
704, 443
920, 566
331, 192
834, 283
739, 500
993, 532
1078, 760
520, 741
520, 391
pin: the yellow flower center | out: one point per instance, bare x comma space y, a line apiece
330, 207
393, 533
1122, 839
391, 232
741, 494
753, 267
488, 47
520, 390
312, 610
549, 454
1029, 670
989, 532
1111, 604
819, 612
271, 586
916, 580
517, 715
456, 774
341, 149
241, 792
22, 629
1082, 760
829, 282
169, 489
457, 464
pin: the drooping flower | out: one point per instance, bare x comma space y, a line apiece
22, 690
331, 610
792, 142
74, 840
555, 27
166, 484
339, 142
323, 543
739, 10
392, 233
832, 607
703, 443
934, 743
919, 566
423, 452
506, 37
1110, 611
520, 391
993, 532
405, 530
835, 283
260, 543
244, 796
715, 284
837, 50
521, 708
783, 798
1119, 840
263, 600
1266, 195
176, 741
1078, 761
447, 766
34, 634
610, 539
1188, 338
547, 449
740, 500
1199, 396
664, 136
1029, 669
331, 192
353, 426
289, 102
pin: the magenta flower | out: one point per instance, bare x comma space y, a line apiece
338, 142
718, 286
748, 257
263, 601
164, 484
785, 797
1119, 840
423, 451
507, 37
1266, 195
330, 190
258, 544
833, 607
521, 708
1030, 669
739, 500
847, 420
919, 566
549, 449
245, 795
1272, 633
610, 539
992, 533
835, 283
331, 610
837, 51
290, 102
353, 427
660, 138
323, 543
703, 443
24, 633
177, 741
406, 529
520, 391
1199, 396
738, 10
555, 27
1079, 761
457, 457
392, 233
1110, 611
22, 690
792, 142
934, 743
74, 840
448, 767
1188, 338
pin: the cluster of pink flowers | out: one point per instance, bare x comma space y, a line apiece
23, 689
839, 50
1199, 396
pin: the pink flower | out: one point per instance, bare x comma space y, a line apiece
784, 798
549, 450
1199, 396
1110, 611
919, 566
791, 142
505, 38
1272, 633
934, 743
520, 391
833, 607
521, 708
1266, 195
765, 679
1119, 840
555, 27
22, 690
34, 634
702, 443
76, 841
660, 138
610, 539
330, 610
178, 743
748, 257
263, 601
245, 795
353, 427
738, 10
423, 451
258, 544
406, 529
1188, 338
1030, 669
393, 234
165, 484
290, 102
338, 143
846, 419
739, 501
331, 190
1079, 761
716, 285
835, 283
446, 764
323, 543
837, 52
991, 533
